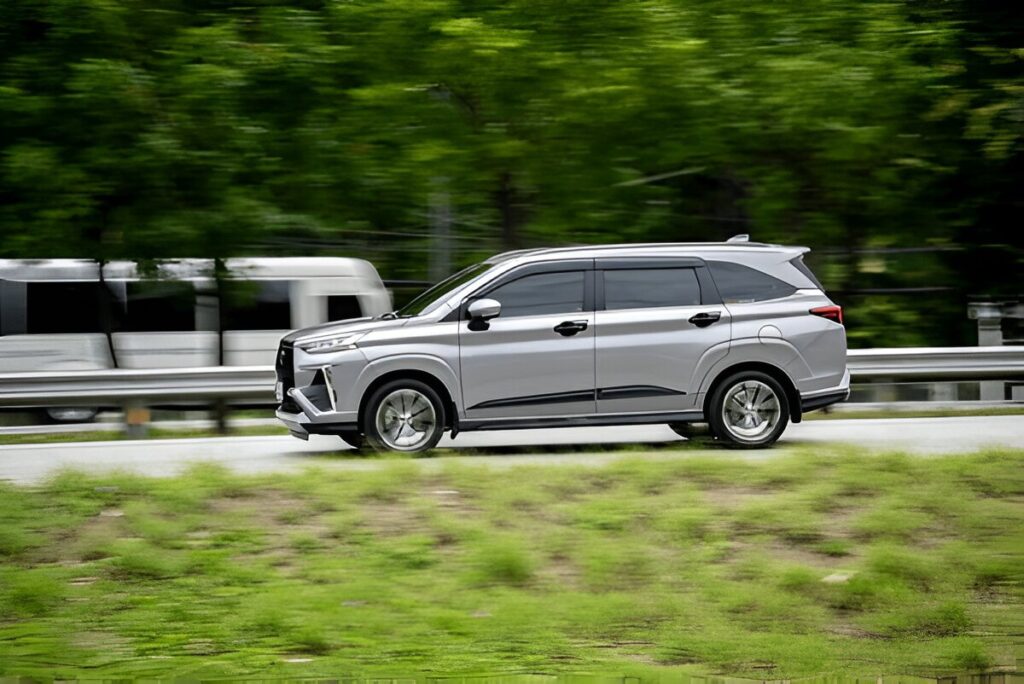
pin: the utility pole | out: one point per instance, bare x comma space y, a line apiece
440, 266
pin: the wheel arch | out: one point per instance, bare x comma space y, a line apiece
425, 377
788, 386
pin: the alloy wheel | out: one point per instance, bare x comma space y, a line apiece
405, 419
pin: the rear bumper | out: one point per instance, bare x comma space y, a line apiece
813, 401
822, 400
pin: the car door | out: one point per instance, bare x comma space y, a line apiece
658, 322
536, 359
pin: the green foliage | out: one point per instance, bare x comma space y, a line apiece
946, 619
27, 594
160, 129
969, 656
502, 560
137, 558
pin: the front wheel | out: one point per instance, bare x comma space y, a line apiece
404, 415
749, 410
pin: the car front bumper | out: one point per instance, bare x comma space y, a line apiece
302, 425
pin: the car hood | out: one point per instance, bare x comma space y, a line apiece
354, 325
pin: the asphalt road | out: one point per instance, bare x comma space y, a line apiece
27, 464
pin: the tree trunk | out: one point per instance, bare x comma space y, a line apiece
105, 304
220, 408
510, 211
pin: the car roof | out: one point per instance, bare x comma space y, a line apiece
719, 249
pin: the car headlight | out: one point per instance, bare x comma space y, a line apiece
331, 344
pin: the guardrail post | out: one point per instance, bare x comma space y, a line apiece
943, 391
220, 416
990, 334
136, 420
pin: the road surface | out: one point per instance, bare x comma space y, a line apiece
27, 464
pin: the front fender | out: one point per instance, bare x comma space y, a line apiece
424, 363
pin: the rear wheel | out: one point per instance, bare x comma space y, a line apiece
404, 415
749, 410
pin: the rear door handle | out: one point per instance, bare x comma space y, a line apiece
568, 328
705, 318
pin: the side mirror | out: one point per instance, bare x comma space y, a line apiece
482, 310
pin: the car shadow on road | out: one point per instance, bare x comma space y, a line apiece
455, 451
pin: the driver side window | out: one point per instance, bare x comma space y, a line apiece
540, 293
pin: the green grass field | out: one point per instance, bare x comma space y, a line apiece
827, 562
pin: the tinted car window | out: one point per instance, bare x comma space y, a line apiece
646, 288
12, 308
71, 307
541, 293
738, 284
256, 305
803, 268
343, 307
426, 299
156, 306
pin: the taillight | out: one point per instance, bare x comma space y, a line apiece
832, 312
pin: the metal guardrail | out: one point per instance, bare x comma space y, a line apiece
936, 364
126, 386
255, 384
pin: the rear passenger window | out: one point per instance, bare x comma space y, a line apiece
542, 293
649, 288
256, 305
738, 284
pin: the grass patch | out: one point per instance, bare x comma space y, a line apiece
830, 562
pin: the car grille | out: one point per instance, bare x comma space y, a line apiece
285, 368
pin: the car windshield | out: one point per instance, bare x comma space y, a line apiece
423, 301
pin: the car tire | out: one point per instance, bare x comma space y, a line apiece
354, 438
404, 416
71, 414
748, 410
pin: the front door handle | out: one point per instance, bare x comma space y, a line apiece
568, 328
705, 318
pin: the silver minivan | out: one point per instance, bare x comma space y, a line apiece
737, 334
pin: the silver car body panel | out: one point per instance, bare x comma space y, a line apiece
627, 364
651, 359
521, 367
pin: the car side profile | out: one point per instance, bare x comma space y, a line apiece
738, 334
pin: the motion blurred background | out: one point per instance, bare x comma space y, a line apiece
425, 134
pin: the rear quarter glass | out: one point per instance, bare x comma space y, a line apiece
739, 284
798, 264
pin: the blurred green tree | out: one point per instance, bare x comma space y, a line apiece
160, 128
